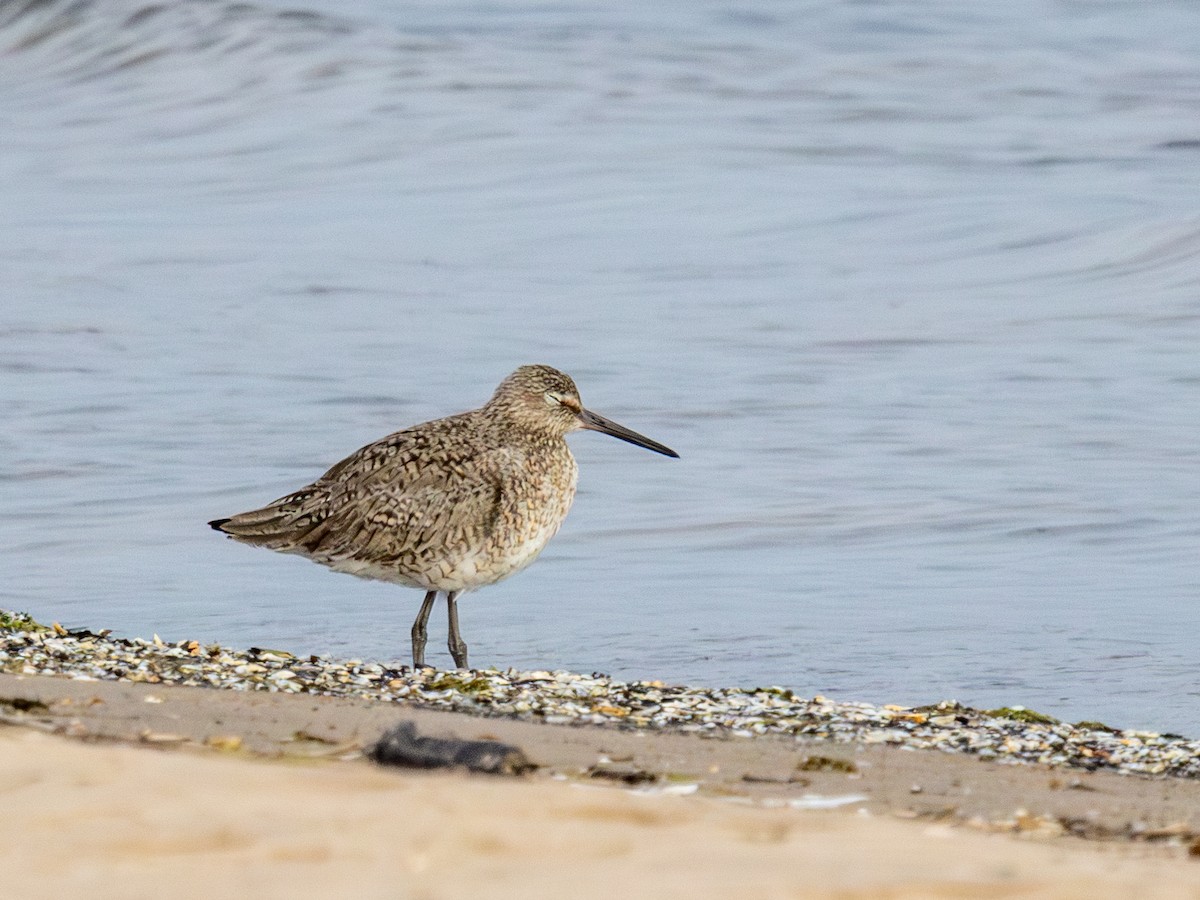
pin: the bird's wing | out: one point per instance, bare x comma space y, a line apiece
387, 523
389, 500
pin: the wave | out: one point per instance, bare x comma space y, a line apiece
196, 50
110, 36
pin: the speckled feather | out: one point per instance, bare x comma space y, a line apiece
449, 505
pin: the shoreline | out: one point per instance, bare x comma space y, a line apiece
1011, 734
270, 789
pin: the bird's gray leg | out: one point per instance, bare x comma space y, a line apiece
458, 647
419, 632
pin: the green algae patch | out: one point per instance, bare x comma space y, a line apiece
463, 684
1021, 714
17, 621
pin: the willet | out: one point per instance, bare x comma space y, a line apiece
447, 506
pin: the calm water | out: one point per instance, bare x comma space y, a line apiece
913, 287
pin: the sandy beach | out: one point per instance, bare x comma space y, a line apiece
118, 789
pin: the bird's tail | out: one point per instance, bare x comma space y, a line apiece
278, 526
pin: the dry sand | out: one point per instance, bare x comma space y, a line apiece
135, 805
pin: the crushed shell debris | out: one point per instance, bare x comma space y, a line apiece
564, 697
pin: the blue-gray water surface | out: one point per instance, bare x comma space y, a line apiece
912, 287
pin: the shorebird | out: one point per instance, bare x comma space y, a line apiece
448, 506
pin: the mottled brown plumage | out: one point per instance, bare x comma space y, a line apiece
450, 505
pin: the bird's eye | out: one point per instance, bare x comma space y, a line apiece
553, 399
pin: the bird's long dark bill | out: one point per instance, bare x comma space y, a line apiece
595, 422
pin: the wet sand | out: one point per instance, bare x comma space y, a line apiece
118, 789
